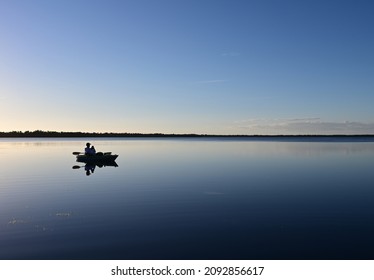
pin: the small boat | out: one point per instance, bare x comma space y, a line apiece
98, 158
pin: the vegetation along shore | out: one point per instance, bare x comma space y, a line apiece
56, 134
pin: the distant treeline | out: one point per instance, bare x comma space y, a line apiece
41, 133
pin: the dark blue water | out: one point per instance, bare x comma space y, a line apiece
188, 199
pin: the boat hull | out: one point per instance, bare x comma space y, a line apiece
96, 158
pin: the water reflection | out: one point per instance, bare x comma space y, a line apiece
187, 199
90, 167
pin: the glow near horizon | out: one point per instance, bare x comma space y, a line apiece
217, 67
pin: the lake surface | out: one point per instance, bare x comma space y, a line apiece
187, 199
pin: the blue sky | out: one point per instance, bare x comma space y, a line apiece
220, 67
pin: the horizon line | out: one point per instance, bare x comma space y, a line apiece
52, 134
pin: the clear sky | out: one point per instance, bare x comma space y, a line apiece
187, 66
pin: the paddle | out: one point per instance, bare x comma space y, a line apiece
77, 167
78, 153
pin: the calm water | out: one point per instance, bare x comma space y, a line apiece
187, 199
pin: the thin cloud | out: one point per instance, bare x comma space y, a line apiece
250, 121
304, 120
304, 126
333, 127
278, 120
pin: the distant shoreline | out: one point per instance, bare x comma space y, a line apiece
62, 134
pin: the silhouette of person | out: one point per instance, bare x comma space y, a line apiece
89, 150
90, 168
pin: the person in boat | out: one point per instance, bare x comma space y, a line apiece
91, 151
88, 150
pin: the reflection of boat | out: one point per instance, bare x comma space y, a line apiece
101, 164
106, 159
90, 166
